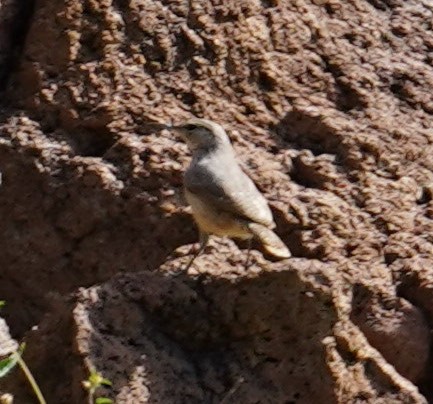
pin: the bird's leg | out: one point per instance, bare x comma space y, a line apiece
247, 262
204, 238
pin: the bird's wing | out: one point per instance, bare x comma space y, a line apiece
232, 192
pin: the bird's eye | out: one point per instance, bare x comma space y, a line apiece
191, 127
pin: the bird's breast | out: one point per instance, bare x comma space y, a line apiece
214, 221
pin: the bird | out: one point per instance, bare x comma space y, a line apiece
224, 200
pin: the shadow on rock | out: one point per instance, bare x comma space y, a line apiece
205, 340
180, 339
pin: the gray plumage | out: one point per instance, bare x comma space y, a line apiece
224, 200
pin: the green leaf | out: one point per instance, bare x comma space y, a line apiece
95, 381
7, 364
106, 382
2, 303
103, 400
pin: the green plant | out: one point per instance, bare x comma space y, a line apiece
93, 382
8, 363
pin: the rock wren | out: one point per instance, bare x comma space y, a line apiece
224, 200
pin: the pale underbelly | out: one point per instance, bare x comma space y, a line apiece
212, 221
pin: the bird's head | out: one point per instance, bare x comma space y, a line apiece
202, 134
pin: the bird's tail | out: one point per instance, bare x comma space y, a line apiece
271, 242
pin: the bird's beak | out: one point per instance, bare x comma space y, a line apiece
168, 126
162, 126
155, 126
180, 131
178, 128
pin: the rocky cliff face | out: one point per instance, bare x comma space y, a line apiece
329, 107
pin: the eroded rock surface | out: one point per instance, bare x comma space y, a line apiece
329, 106
274, 334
